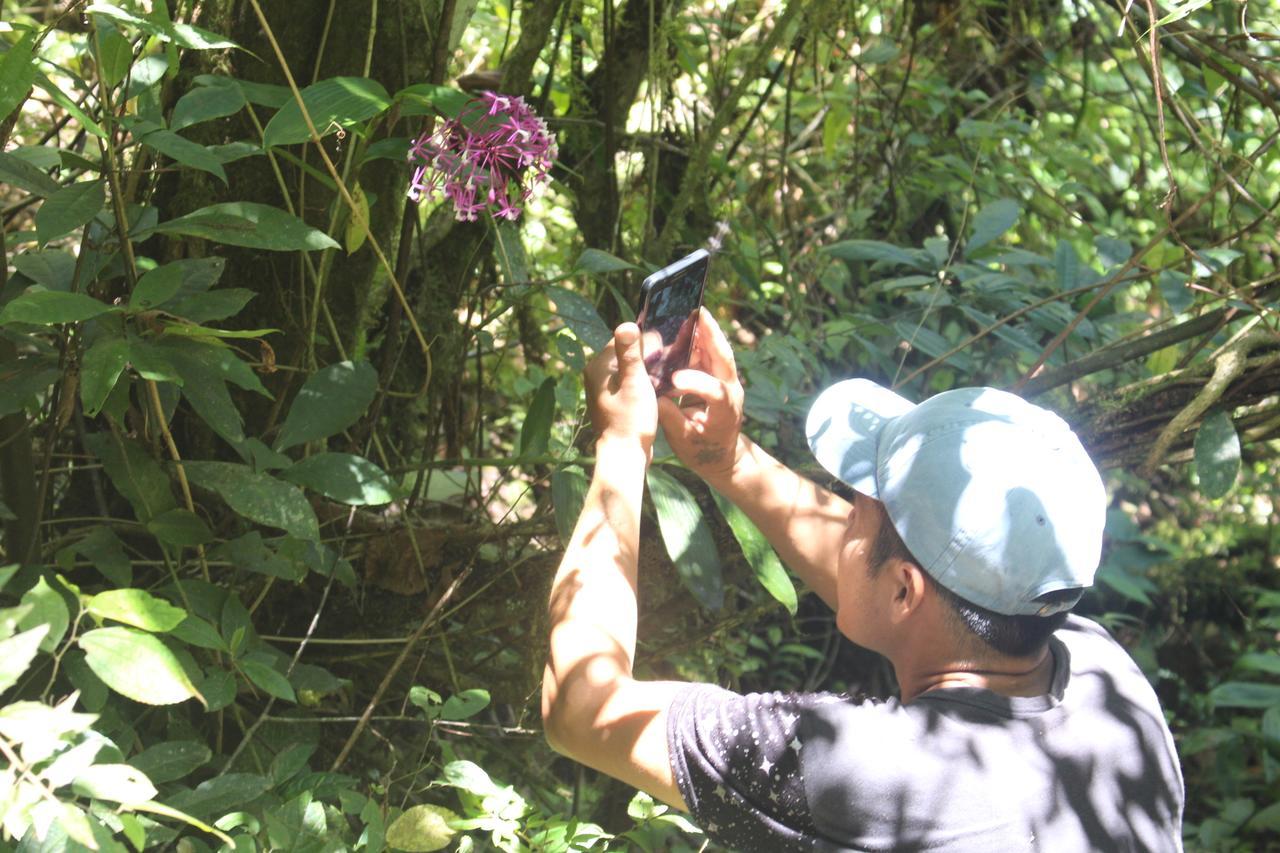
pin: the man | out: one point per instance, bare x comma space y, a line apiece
976, 525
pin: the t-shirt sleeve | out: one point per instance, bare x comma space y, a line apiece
736, 762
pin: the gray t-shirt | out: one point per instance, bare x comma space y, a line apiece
1089, 766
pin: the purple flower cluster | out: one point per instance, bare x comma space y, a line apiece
492, 155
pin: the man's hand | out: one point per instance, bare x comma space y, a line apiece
620, 398
705, 434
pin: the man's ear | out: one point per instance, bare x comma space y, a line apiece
910, 587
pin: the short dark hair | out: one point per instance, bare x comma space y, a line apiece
1016, 636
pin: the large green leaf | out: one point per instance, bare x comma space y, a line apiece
156, 287
343, 477
24, 378
535, 432
134, 473
21, 174
17, 652
50, 308
568, 492
180, 528
759, 553
178, 148
874, 250
331, 400
69, 208
117, 783
204, 103
333, 104
258, 497
17, 73
991, 222
254, 226
268, 679
687, 538
215, 797
171, 760
47, 608
101, 368
205, 389
1217, 452
183, 35
136, 664
136, 607
1245, 694
581, 317
598, 262
422, 829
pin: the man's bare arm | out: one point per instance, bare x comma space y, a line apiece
804, 522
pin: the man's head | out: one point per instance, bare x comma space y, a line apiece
992, 498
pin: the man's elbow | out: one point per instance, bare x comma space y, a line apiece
571, 714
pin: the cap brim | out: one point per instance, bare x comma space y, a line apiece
844, 427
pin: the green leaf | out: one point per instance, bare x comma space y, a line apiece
333, 104
205, 390
60, 98
599, 262
100, 370
105, 550
568, 492
331, 400
156, 287
215, 305
220, 794
759, 553
17, 72
117, 56
1067, 264
197, 632
1181, 11
687, 538
1245, 694
181, 528
68, 209
50, 307
535, 432
137, 665
52, 268
253, 226
204, 103
258, 497
22, 380
468, 703
172, 760
268, 679
21, 174
47, 608
1268, 662
178, 148
991, 222
581, 317
874, 250
1217, 454
17, 652
136, 607
422, 829
430, 99
117, 783
183, 35
510, 251
134, 474
343, 477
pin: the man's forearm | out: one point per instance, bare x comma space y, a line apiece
804, 522
593, 597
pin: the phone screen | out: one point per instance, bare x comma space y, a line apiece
669, 316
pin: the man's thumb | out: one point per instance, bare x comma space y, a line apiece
626, 345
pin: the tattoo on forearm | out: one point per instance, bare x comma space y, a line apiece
707, 455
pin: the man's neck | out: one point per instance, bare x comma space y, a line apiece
1006, 676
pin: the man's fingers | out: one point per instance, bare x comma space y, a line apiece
699, 384
626, 345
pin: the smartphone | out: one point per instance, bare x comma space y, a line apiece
668, 320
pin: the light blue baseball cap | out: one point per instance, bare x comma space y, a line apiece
995, 497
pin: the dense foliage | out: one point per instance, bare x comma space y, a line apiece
285, 461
